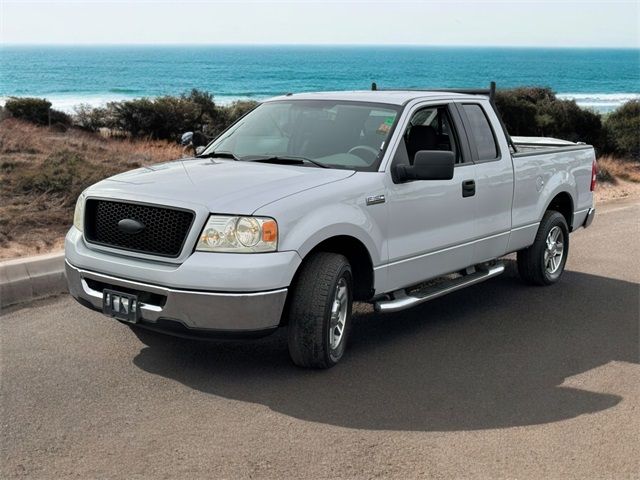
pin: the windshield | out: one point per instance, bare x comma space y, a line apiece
336, 134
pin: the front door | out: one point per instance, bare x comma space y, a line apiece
431, 222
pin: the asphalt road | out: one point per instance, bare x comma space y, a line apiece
499, 380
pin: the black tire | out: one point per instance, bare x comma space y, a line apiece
310, 309
532, 261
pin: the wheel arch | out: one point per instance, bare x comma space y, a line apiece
359, 257
562, 202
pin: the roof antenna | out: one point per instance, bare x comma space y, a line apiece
492, 100
374, 87
492, 92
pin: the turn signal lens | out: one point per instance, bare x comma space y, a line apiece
270, 231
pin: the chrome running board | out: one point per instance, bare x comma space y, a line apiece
402, 300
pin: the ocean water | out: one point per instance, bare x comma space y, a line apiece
600, 79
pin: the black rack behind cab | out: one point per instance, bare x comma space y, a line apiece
489, 92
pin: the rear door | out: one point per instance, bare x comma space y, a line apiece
431, 222
494, 179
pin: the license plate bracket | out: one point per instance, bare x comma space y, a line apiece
122, 306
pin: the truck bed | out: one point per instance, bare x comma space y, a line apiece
539, 145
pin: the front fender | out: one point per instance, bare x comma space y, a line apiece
310, 217
322, 224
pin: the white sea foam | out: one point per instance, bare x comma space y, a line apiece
600, 102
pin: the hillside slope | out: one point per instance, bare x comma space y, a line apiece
42, 172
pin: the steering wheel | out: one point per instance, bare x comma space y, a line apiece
366, 149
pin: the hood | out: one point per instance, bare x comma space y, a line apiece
222, 186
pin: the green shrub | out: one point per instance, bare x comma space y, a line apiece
623, 129
166, 117
36, 110
163, 118
90, 118
537, 111
237, 109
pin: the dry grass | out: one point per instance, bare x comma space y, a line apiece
612, 169
42, 172
617, 178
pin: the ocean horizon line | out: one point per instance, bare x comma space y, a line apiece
320, 45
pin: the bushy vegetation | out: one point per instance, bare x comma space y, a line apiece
90, 118
36, 110
527, 111
537, 111
163, 118
616, 136
623, 130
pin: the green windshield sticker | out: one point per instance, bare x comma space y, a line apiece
385, 126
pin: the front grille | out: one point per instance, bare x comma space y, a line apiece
165, 229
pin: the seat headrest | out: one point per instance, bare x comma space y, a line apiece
421, 137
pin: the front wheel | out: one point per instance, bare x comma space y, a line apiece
543, 262
320, 311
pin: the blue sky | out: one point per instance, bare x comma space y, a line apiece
505, 23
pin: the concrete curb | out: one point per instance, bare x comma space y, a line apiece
26, 279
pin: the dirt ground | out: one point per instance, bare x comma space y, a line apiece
607, 191
42, 172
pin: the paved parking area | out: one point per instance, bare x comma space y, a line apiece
499, 380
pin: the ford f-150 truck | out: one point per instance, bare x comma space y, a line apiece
312, 201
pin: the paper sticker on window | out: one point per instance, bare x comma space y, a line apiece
384, 127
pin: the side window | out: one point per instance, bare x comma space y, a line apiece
431, 128
481, 130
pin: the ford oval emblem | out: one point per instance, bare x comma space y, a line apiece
131, 226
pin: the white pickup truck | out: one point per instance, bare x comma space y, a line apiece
312, 201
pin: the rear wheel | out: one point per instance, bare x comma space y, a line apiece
320, 311
543, 262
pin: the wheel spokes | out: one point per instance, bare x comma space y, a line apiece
339, 310
554, 252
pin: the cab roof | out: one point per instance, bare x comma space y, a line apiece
393, 97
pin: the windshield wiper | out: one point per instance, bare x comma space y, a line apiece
221, 154
291, 159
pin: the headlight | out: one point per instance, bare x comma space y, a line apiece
78, 214
239, 234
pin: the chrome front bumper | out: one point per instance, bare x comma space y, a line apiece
194, 311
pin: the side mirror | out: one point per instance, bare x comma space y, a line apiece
186, 137
428, 165
200, 149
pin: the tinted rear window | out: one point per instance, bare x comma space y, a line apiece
481, 131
